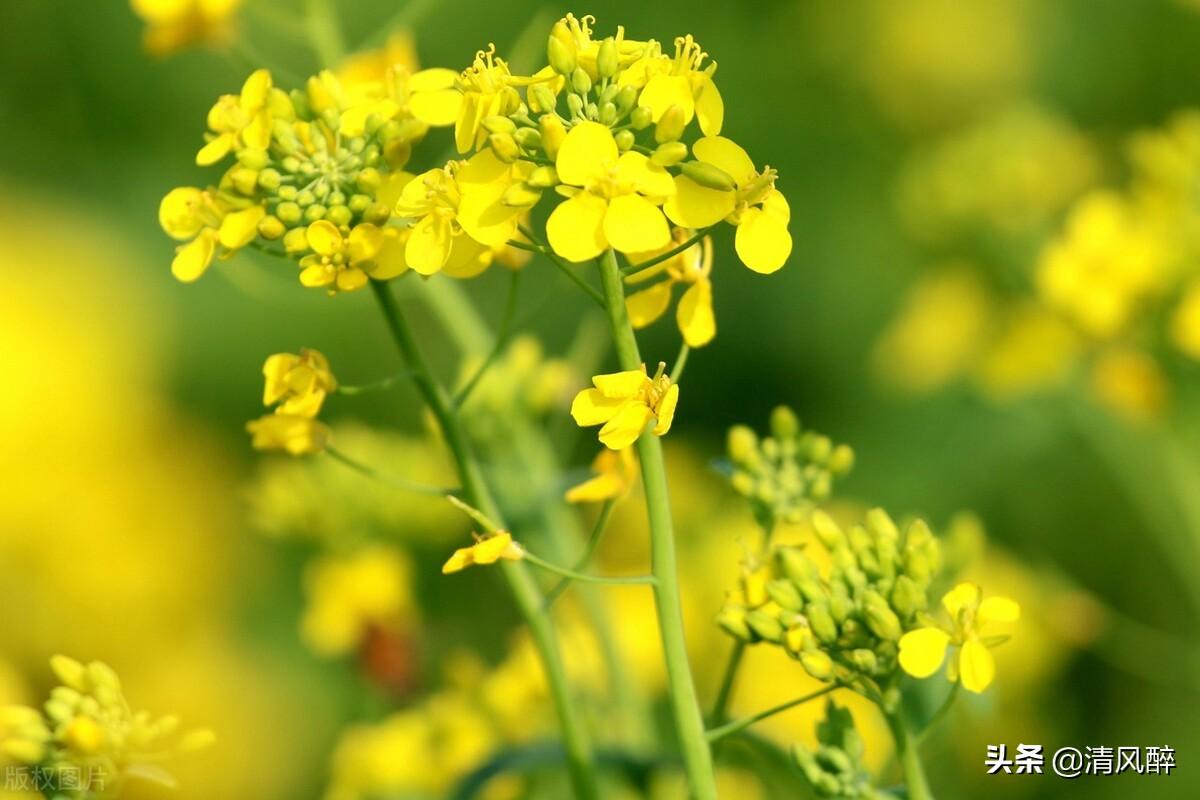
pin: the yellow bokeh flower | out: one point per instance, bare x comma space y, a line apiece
237, 120
295, 434
1130, 383
624, 403
208, 222
691, 268
614, 198
342, 263
733, 190
970, 633
1184, 330
298, 382
616, 471
347, 595
487, 550
172, 25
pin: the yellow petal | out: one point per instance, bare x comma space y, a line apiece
964, 595
647, 177
432, 79
663, 91
459, 561
998, 609
575, 229
492, 548
775, 203
275, 371
364, 242
586, 154
215, 150
710, 108
633, 224
726, 154
438, 108
468, 258
177, 213
389, 261
351, 278
695, 315
976, 666
255, 90
626, 425
597, 489
316, 275
922, 651
649, 304
467, 124
762, 241
324, 238
666, 410
239, 228
621, 385
353, 121
257, 135
696, 206
429, 244
192, 259
591, 407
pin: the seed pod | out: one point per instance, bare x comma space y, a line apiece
708, 175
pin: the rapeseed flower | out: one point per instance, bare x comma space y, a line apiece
614, 198
725, 185
970, 633
685, 83
295, 434
486, 550
487, 91
624, 403
172, 25
615, 474
240, 120
298, 382
691, 268
342, 263
211, 225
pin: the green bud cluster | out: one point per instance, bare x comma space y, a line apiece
842, 615
784, 474
835, 768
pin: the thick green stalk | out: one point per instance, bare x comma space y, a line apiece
915, 783
689, 724
522, 585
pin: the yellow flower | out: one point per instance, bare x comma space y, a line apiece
299, 383
575, 34
349, 594
922, 651
209, 222
692, 268
1130, 383
1184, 328
614, 197
345, 262
751, 202
484, 212
487, 91
625, 403
244, 119
616, 471
292, 433
432, 199
486, 550
681, 82
172, 25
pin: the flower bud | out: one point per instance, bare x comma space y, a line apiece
743, 483
580, 82
528, 138
669, 154
553, 132
295, 240
505, 147
252, 158
641, 118
543, 178
607, 60
880, 524
243, 179
865, 660
560, 49
817, 664
785, 593
339, 215
541, 98
743, 445
670, 125
841, 460
907, 597
369, 180
377, 213
498, 124
708, 175
624, 140
827, 530
821, 622
607, 114
765, 625
269, 179
271, 227
314, 212
732, 620
882, 621
797, 639
575, 105
784, 424
624, 99
521, 195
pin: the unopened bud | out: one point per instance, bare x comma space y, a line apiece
498, 124
908, 598
625, 140
743, 445
543, 178
817, 664
765, 625
785, 593
521, 195
339, 215
607, 60
882, 621
821, 622
575, 105
295, 240
271, 227
553, 132
865, 660
580, 82
669, 154
641, 118
670, 125
827, 530
528, 138
733, 621
505, 147
784, 424
607, 114
708, 175
841, 460
560, 49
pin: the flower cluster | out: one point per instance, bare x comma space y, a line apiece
298, 384
783, 475
87, 724
841, 616
835, 767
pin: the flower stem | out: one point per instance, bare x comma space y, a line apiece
915, 783
689, 725
382, 477
520, 582
741, 724
572, 575
592, 543
634, 269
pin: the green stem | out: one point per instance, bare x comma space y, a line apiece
542, 248
741, 724
915, 783
572, 575
689, 725
720, 709
634, 269
382, 477
588, 550
680, 362
325, 33
374, 386
520, 582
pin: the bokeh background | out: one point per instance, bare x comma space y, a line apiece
931, 151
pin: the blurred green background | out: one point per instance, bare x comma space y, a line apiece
839, 97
